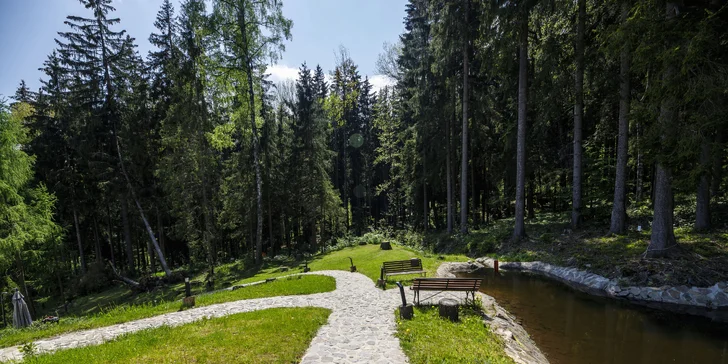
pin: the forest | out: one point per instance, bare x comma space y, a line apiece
613, 114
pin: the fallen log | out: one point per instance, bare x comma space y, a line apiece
128, 281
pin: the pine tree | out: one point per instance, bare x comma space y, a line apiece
257, 36
26, 210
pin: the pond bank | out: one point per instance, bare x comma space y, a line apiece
705, 301
518, 344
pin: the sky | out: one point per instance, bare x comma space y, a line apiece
320, 27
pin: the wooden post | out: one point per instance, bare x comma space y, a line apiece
495, 266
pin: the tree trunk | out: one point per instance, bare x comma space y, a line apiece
639, 168
160, 233
127, 234
207, 234
425, 217
717, 163
464, 156
662, 241
97, 243
619, 208
78, 239
578, 117
242, 25
702, 210
449, 174
520, 229
108, 227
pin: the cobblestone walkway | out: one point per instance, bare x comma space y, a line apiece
359, 330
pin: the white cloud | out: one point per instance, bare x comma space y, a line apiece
379, 81
280, 73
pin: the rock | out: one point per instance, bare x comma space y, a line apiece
655, 295
674, 294
634, 291
702, 300
722, 285
720, 299
283, 269
665, 297
701, 291
683, 289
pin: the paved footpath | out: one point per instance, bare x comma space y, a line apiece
360, 328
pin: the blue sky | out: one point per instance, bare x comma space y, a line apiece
28, 27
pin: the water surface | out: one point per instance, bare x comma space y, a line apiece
572, 327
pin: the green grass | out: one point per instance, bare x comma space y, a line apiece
368, 260
296, 285
428, 338
278, 335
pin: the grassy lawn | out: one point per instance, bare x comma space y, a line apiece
277, 335
368, 260
427, 338
296, 285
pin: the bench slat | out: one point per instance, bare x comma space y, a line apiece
402, 266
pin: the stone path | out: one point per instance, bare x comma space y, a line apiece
360, 328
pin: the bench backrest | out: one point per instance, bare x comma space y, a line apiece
447, 284
402, 265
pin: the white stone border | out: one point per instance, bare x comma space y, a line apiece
715, 296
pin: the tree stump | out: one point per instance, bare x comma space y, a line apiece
406, 312
188, 301
385, 245
449, 309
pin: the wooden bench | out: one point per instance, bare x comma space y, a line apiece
409, 266
467, 285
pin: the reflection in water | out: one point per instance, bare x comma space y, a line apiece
573, 327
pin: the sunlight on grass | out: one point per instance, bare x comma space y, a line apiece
368, 260
428, 338
277, 335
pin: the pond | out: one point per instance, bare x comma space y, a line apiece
572, 327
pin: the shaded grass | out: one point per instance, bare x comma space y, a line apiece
368, 260
702, 259
428, 338
226, 275
277, 335
296, 285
